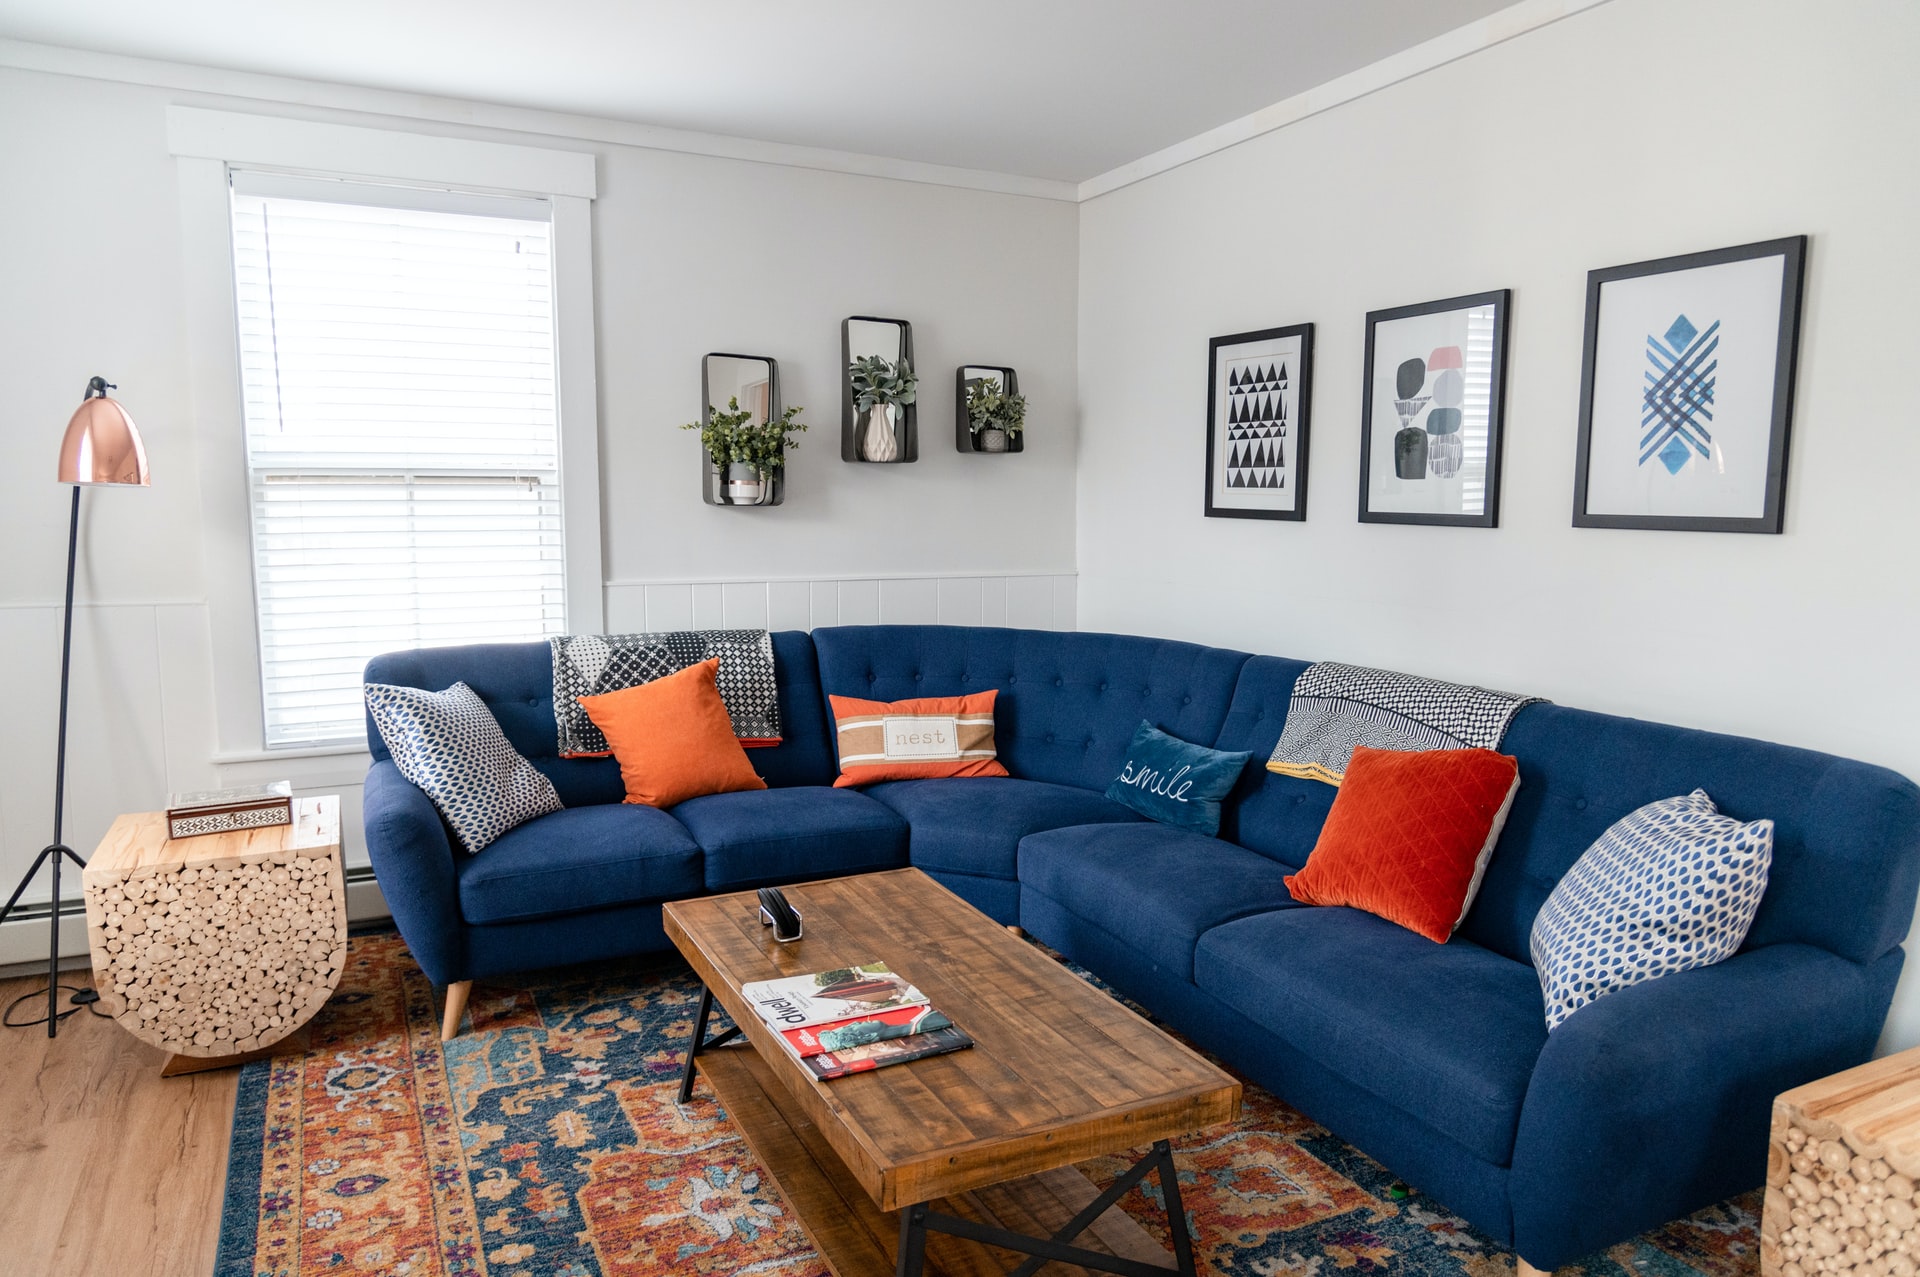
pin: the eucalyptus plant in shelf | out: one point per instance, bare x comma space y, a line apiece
881, 388
994, 416
748, 452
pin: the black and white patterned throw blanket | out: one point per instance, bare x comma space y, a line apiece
1338, 707
592, 664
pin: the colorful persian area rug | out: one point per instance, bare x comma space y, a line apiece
546, 1142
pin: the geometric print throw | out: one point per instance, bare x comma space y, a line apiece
546, 1142
449, 744
593, 664
1336, 708
1667, 888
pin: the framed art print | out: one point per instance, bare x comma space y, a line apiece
1430, 412
1686, 390
1259, 395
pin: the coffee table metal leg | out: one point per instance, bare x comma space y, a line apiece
917, 1221
699, 1042
913, 1241
1176, 1209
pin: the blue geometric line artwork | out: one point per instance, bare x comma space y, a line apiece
1679, 395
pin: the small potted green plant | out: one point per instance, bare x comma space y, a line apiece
994, 417
747, 452
881, 388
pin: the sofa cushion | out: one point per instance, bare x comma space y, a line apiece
764, 837
974, 826
921, 738
1156, 888
1447, 1033
579, 859
1068, 701
1275, 815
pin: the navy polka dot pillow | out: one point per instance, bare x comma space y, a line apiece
1672, 886
450, 745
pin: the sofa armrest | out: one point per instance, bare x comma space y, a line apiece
414, 863
1655, 1101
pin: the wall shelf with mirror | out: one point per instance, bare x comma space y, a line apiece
878, 389
989, 412
753, 382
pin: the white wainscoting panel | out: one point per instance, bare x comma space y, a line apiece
1039, 602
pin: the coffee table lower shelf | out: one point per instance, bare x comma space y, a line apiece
857, 1238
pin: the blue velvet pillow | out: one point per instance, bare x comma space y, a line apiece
1174, 782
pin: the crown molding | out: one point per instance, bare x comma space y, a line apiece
254, 87
1461, 42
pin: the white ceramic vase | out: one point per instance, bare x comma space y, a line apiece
878, 443
993, 439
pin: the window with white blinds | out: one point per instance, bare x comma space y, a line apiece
397, 356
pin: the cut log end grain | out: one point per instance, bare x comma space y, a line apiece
1831, 1209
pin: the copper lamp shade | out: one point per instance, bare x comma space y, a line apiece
102, 444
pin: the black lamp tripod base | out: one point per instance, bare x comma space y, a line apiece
81, 996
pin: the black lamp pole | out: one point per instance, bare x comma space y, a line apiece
57, 849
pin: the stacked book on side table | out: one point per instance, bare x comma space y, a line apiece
852, 1019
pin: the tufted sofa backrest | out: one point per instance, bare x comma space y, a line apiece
1068, 703
515, 680
1277, 816
1846, 850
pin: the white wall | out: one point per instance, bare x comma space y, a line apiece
1638, 129
692, 254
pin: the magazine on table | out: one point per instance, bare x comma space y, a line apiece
841, 1035
877, 1055
844, 993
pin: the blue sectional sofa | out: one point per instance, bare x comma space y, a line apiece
1434, 1059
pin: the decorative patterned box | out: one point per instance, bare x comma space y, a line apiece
219, 811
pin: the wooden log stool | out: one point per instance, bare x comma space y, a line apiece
1843, 1170
217, 947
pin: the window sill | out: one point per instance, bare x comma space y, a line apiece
231, 757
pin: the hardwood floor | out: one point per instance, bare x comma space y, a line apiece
105, 1166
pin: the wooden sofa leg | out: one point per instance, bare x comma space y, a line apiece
456, 1007
1521, 1268
1016, 931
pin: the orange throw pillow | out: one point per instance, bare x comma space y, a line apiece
672, 738
916, 739
1410, 835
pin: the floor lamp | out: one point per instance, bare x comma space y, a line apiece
102, 446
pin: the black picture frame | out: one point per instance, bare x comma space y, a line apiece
1501, 300
1792, 250
1297, 429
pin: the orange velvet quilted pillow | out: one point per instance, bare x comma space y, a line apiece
1410, 835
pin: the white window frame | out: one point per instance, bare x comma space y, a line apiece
205, 143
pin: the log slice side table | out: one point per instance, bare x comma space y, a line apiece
219, 946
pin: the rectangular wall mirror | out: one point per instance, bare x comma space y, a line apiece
1000, 409
753, 381
879, 421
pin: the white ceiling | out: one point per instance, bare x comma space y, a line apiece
1060, 89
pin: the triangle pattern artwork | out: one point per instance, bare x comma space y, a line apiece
1259, 405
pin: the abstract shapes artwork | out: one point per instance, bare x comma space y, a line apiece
1441, 369
1686, 390
1679, 397
1259, 392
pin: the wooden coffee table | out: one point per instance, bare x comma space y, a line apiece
910, 1164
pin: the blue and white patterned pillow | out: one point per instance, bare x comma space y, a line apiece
449, 744
1670, 887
